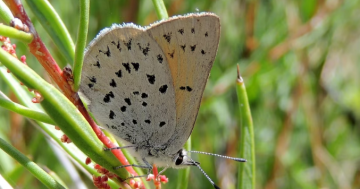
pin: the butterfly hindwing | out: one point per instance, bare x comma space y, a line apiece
126, 79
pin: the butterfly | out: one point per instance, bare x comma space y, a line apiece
145, 85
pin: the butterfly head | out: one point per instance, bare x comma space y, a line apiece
182, 160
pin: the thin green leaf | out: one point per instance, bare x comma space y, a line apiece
57, 178
22, 110
246, 177
81, 41
5, 13
53, 24
160, 9
11, 32
39, 173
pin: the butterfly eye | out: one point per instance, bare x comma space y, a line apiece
179, 160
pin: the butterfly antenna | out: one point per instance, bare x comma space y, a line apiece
217, 155
197, 165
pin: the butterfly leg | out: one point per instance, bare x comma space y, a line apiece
133, 165
132, 177
116, 148
163, 170
148, 164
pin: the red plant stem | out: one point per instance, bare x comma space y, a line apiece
38, 49
157, 182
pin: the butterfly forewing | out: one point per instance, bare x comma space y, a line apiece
127, 81
190, 44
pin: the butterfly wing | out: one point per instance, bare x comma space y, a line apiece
190, 44
126, 79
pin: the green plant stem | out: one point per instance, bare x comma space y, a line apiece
39, 173
57, 178
54, 26
183, 175
5, 13
81, 41
11, 32
160, 9
22, 110
246, 178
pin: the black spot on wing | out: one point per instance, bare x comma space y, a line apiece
144, 104
162, 123
203, 52
147, 121
172, 54
107, 53
192, 30
112, 115
108, 96
183, 47
127, 67
134, 121
117, 45
136, 93
123, 108
97, 64
151, 78
145, 50
113, 83
135, 65
206, 34
128, 101
90, 85
181, 31
128, 44
188, 88
92, 79
144, 95
119, 73
192, 47
167, 37
160, 58
163, 88
113, 127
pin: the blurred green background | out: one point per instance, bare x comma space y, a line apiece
300, 63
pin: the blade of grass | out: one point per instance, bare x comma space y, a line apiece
22, 110
56, 177
54, 26
11, 32
246, 178
81, 41
5, 13
39, 173
160, 9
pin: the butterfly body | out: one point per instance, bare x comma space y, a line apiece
145, 85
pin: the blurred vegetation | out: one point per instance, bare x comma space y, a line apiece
300, 63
